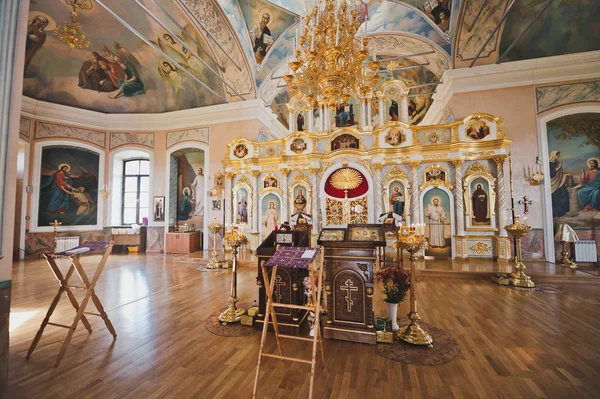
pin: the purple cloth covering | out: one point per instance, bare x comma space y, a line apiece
92, 245
291, 257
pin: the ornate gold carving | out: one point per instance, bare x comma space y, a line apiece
457, 163
500, 160
414, 165
255, 173
270, 190
478, 153
346, 179
396, 173
378, 167
396, 159
435, 175
435, 156
243, 180
480, 247
477, 168
300, 178
368, 165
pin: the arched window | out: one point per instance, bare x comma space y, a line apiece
136, 187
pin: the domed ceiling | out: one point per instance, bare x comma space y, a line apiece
195, 53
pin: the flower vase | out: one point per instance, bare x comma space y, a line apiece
392, 309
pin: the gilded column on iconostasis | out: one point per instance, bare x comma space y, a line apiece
285, 195
255, 190
458, 195
315, 199
501, 197
229, 210
378, 190
414, 188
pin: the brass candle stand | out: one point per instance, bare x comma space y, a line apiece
518, 231
233, 239
413, 334
214, 228
567, 262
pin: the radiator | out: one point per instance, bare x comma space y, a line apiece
585, 251
66, 243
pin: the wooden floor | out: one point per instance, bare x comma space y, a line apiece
514, 343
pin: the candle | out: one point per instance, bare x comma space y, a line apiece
525, 220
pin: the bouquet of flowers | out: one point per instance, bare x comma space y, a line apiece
396, 283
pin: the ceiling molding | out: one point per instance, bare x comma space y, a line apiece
222, 113
562, 68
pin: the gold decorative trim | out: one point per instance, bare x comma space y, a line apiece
270, 190
435, 183
477, 168
480, 247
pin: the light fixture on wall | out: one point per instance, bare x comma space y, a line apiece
534, 173
71, 32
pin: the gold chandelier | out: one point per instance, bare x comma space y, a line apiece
328, 57
71, 32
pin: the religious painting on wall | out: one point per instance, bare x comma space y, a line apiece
437, 219
300, 121
68, 186
299, 198
159, 209
574, 180
190, 187
270, 181
477, 130
346, 113
298, 146
332, 235
480, 202
395, 137
240, 151
397, 198
393, 111
271, 214
266, 23
365, 233
345, 141
435, 175
317, 119
439, 12
241, 200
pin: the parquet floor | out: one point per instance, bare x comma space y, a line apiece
514, 343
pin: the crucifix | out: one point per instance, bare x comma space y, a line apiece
348, 287
56, 223
278, 285
525, 202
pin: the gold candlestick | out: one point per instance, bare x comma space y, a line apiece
56, 223
413, 333
232, 314
214, 228
518, 231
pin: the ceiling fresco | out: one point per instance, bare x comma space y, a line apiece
196, 53
565, 27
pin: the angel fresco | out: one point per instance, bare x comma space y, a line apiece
171, 74
36, 34
130, 85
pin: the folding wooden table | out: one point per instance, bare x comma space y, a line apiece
88, 288
294, 257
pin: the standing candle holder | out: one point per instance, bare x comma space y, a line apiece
518, 231
233, 239
409, 240
214, 228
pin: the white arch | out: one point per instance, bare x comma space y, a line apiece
370, 198
115, 181
180, 146
452, 222
37, 167
542, 131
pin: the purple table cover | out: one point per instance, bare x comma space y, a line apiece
92, 245
291, 257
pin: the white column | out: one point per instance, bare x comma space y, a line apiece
311, 121
404, 111
285, 195
382, 113
458, 198
363, 114
322, 120
292, 122
378, 190
229, 209
254, 220
369, 113
414, 192
314, 183
501, 195
327, 118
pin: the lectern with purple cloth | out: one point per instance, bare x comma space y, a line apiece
292, 258
88, 288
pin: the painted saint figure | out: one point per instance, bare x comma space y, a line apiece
261, 38
36, 37
270, 220
558, 186
397, 201
242, 207
83, 200
480, 204
159, 210
198, 193
185, 205
300, 201
589, 194
130, 85
300, 122
393, 112
60, 190
436, 217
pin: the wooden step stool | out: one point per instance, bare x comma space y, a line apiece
293, 257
